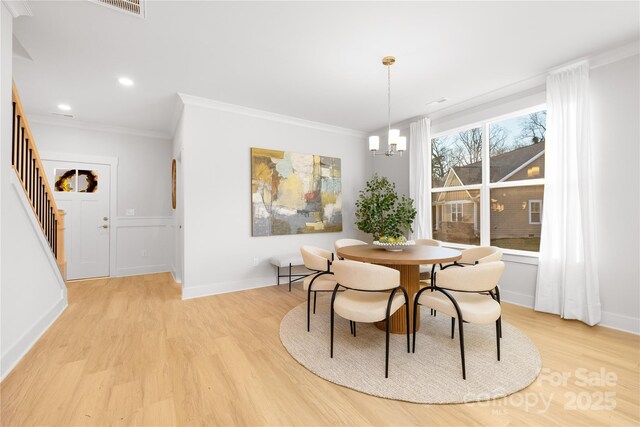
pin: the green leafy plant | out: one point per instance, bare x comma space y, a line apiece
381, 212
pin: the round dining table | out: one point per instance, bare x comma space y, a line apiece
408, 262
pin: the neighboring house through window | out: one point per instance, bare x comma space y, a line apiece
488, 182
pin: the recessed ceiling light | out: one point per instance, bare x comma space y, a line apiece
64, 107
125, 81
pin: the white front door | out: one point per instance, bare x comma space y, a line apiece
82, 191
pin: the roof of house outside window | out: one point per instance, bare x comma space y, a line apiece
501, 165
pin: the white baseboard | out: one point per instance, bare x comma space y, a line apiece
226, 287
11, 357
143, 269
516, 298
620, 322
609, 320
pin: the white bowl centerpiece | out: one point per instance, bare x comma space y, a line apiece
393, 244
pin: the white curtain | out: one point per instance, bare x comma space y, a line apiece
567, 271
419, 176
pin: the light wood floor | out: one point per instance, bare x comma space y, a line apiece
128, 351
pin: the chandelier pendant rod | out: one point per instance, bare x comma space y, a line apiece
396, 144
388, 98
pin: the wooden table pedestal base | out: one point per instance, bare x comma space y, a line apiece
410, 280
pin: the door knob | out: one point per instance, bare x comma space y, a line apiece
105, 218
104, 226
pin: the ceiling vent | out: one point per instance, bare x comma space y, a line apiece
67, 115
130, 7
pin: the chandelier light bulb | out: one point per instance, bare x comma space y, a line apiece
394, 135
401, 145
374, 143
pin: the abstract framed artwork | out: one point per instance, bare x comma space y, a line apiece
294, 193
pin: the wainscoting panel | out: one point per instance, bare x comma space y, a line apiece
143, 245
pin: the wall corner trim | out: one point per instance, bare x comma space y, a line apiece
18, 7
266, 115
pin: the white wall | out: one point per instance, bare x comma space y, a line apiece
615, 118
615, 103
219, 250
32, 293
143, 184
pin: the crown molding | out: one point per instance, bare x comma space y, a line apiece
18, 7
614, 55
524, 87
73, 123
535, 83
266, 115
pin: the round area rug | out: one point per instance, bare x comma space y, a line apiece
433, 374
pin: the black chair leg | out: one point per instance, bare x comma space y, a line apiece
278, 275
333, 299
386, 356
309, 309
315, 295
354, 328
289, 277
332, 322
415, 322
453, 327
351, 326
406, 306
461, 332
498, 336
500, 318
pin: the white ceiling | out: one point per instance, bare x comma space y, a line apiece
318, 61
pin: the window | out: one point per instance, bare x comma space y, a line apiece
76, 181
535, 211
456, 212
488, 181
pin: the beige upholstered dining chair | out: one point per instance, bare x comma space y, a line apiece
427, 242
341, 243
426, 270
480, 254
318, 260
373, 293
465, 294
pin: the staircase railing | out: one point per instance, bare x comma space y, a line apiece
31, 173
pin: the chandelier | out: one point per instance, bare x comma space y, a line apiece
396, 144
